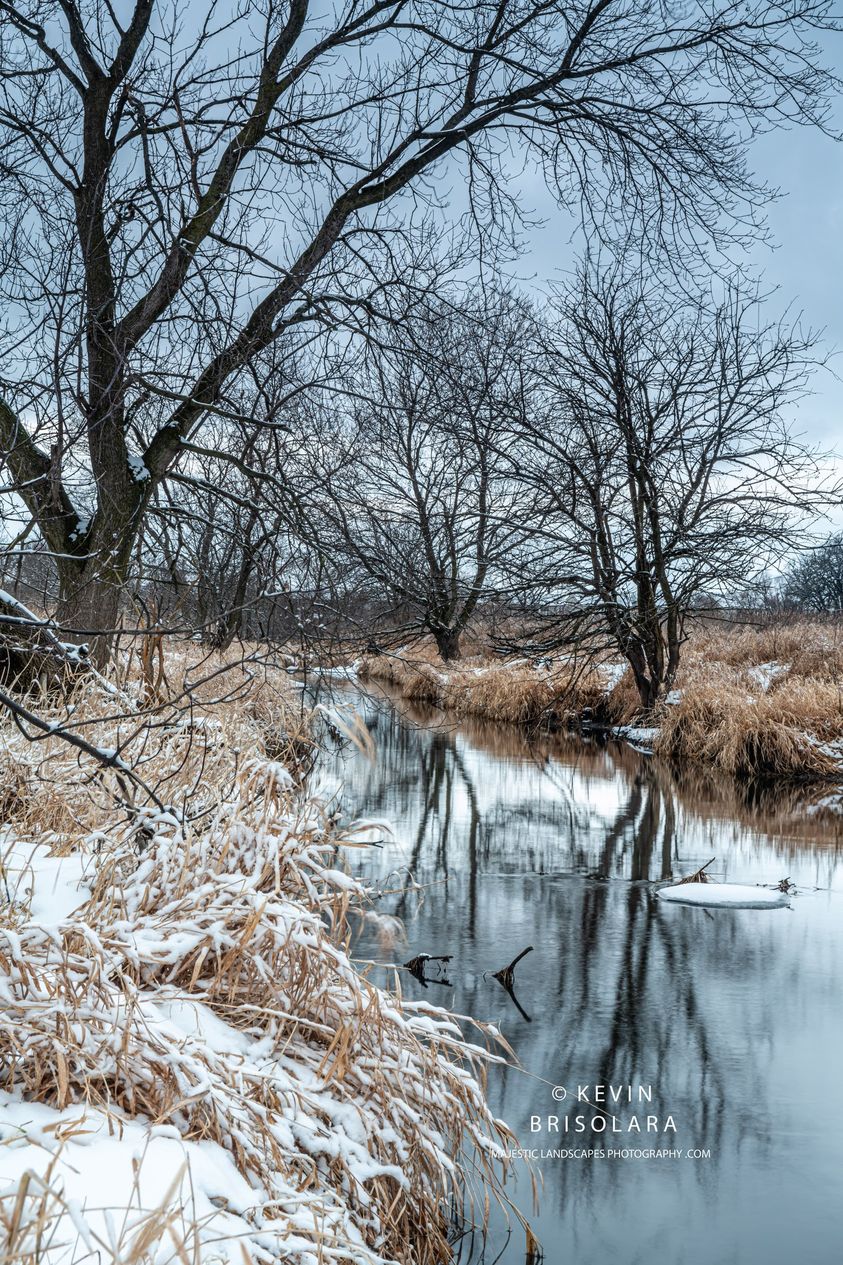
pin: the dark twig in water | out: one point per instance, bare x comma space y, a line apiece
506, 975
416, 966
522, 1012
534, 1251
506, 978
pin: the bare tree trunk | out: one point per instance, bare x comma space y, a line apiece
89, 600
448, 644
231, 621
647, 686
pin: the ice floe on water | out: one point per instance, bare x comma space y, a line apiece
724, 895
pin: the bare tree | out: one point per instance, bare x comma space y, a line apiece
190, 185
669, 471
423, 501
815, 582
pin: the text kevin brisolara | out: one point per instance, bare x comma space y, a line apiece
608, 1111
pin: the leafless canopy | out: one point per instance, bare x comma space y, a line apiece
187, 187
815, 582
422, 502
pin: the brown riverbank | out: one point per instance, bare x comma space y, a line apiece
749, 702
262, 1091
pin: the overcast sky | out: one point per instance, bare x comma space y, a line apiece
804, 260
807, 262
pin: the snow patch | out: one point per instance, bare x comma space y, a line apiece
345, 672
97, 1171
137, 468
48, 887
724, 895
764, 674
641, 737
611, 674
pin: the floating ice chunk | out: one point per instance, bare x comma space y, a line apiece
725, 895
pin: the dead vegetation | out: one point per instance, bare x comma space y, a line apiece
751, 702
210, 710
779, 734
699, 876
508, 691
340, 1105
761, 702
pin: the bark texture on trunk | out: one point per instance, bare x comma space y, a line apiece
90, 590
448, 644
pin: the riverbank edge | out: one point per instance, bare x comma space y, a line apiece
762, 721
262, 1085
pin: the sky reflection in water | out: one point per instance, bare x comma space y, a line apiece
732, 1016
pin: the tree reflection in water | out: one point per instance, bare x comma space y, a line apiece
557, 843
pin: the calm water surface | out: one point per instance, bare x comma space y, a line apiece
733, 1017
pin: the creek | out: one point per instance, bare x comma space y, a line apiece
732, 1019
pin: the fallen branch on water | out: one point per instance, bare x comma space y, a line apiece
506, 975
700, 876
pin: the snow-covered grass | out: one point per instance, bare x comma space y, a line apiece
640, 736
193, 1069
211, 710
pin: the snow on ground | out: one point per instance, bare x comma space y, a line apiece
764, 674
105, 1181
191, 1063
640, 736
611, 674
346, 672
724, 895
833, 749
48, 888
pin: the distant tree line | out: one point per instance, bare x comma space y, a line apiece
815, 583
599, 468
244, 394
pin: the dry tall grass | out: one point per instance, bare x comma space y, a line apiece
775, 735
508, 691
762, 702
356, 1119
211, 712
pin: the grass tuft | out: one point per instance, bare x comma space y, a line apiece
753, 702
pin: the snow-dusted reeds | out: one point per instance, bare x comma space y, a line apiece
791, 731
192, 1067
